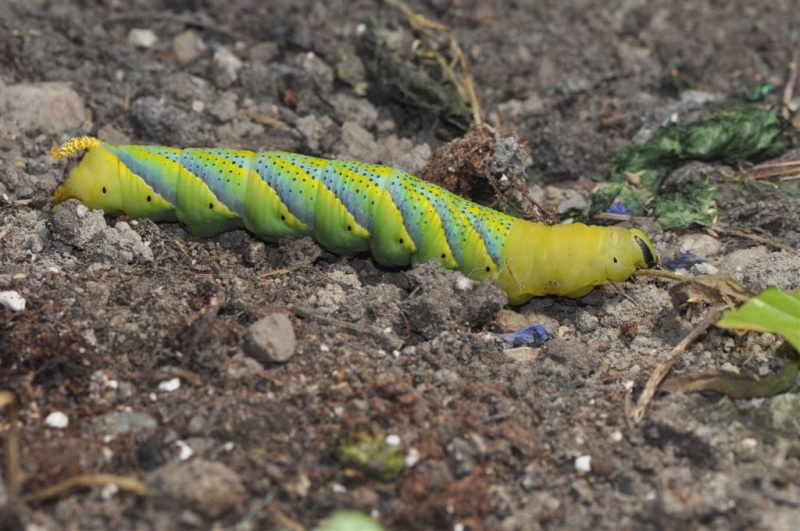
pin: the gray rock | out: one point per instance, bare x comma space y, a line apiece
123, 423
224, 108
204, 486
49, 107
574, 201
786, 412
119, 244
271, 339
76, 225
358, 144
701, 245
142, 38
228, 66
187, 47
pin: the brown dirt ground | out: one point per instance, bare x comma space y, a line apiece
491, 436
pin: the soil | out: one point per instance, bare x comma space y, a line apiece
145, 339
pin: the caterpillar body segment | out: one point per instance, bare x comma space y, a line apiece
349, 207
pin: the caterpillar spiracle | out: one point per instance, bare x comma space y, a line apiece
349, 207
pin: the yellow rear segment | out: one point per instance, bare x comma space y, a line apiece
569, 260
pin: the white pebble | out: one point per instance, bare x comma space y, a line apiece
583, 463
412, 457
185, 450
393, 440
57, 420
169, 386
109, 490
13, 300
324, 348
142, 38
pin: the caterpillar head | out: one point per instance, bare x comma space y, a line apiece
622, 252
648, 257
95, 181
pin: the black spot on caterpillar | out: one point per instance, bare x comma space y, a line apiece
350, 207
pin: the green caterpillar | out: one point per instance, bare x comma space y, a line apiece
350, 207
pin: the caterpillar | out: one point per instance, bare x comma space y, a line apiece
349, 207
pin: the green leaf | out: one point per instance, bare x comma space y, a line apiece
771, 311
345, 520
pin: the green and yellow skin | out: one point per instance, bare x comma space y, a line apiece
350, 207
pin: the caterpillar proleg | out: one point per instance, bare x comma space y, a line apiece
349, 208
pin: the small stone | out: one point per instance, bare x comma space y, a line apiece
359, 144
76, 225
187, 47
228, 64
57, 420
12, 300
701, 245
271, 339
264, 52
170, 385
786, 412
224, 108
142, 38
204, 486
574, 201
50, 107
583, 463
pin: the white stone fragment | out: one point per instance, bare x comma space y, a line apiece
412, 457
57, 420
142, 38
169, 386
583, 463
12, 300
185, 450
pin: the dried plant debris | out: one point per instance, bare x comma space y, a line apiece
489, 169
401, 74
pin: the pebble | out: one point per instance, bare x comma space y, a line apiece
264, 52
574, 201
785, 410
12, 300
701, 245
358, 143
229, 66
187, 47
76, 225
271, 339
142, 38
122, 423
57, 420
583, 463
203, 486
50, 108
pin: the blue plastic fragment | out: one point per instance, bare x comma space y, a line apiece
533, 335
618, 208
682, 260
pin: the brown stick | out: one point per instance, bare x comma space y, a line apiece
636, 415
8, 400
